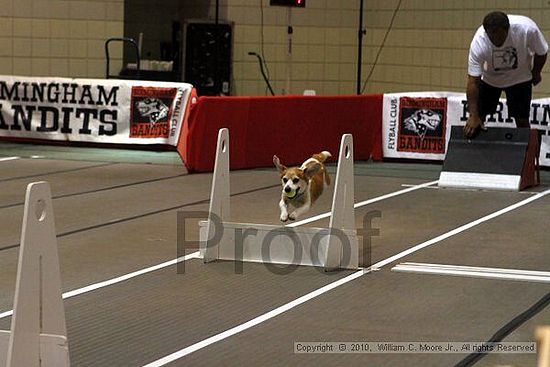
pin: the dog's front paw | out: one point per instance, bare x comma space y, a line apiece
284, 217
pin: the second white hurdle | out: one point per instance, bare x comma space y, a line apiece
335, 247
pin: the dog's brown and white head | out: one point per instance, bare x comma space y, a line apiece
295, 180
301, 186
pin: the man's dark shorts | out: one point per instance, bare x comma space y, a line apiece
518, 98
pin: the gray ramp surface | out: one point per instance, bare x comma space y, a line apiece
114, 218
516, 240
25, 168
139, 321
68, 181
384, 307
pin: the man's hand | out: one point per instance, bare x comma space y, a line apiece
473, 124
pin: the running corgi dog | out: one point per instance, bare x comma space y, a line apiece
302, 185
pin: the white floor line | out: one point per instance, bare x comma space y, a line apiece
258, 320
122, 278
3, 159
468, 189
474, 272
247, 325
106, 283
366, 202
458, 230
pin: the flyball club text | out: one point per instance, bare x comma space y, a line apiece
69, 106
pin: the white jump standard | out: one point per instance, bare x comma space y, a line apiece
38, 336
332, 248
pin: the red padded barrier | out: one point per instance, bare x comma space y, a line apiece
292, 127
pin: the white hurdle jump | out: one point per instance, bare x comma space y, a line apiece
335, 247
38, 336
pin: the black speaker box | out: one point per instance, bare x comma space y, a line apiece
208, 50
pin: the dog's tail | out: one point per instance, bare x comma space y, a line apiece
321, 157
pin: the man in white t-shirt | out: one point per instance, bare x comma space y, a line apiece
507, 54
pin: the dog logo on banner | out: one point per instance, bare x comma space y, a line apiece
422, 123
153, 109
151, 112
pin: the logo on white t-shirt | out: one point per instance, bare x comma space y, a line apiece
505, 59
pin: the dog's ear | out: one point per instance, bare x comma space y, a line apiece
312, 169
277, 163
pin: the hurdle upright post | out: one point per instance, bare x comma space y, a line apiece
342, 213
219, 195
38, 336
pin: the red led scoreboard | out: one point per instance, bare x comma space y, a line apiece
296, 3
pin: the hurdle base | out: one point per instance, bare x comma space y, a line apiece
265, 243
468, 180
54, 349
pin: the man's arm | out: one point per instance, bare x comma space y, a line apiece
472, 96
538, 63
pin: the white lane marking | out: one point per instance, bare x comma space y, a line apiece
3, 159
6, 314
119, 279
458, 230
366, 202
474, 272
237, 329
258, 320
122, 278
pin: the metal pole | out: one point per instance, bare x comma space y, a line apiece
360, 47
217, 88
